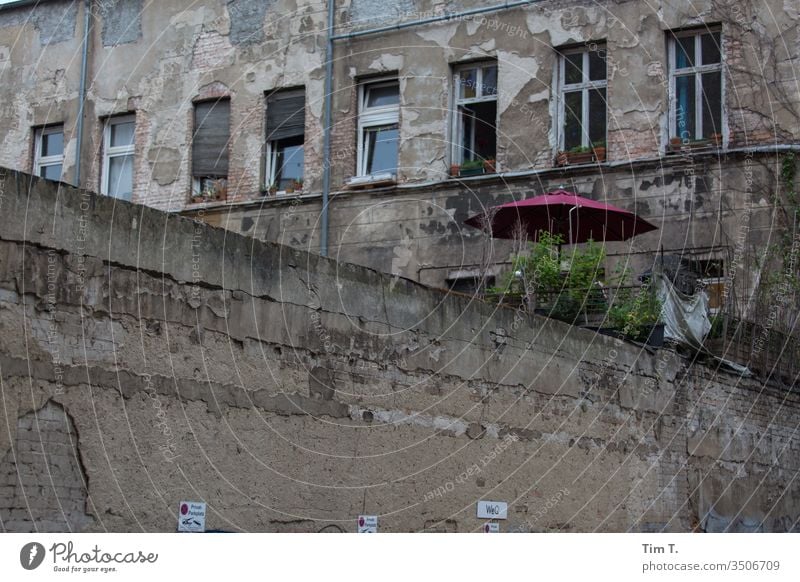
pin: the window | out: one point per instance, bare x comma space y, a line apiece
475, 122
210, 146
48, 157
695, 85
583, 105
118, 157
285, 131
378, 128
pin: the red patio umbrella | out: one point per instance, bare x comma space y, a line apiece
575, 218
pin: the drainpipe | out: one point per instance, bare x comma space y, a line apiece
87, 12
326, 148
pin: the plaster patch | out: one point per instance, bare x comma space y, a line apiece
247, 20
513, 74
540, 22
440, 35
55, 22
122, 21
540, 96
370, 12
387, 62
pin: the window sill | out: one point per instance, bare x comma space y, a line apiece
373, 181
282, 193
694, 146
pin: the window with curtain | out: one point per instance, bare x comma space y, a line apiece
695, 85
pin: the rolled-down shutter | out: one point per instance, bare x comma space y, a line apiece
211, 136
286, 114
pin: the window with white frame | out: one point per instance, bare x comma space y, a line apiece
48, 156
583, 105
695, 85
475, 112
378, 127
285, 134
118, 149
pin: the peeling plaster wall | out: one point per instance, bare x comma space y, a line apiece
711, 201
55, 22
122, 21
293, 392
250, 47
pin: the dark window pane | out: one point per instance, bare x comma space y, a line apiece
573, 107
684, 107
53, 144
289, 162
489, 81
382, 149
122, 134
468, 78
573, 68
383, 96
479, 131
684, 52
485, 130
710, 48
597, 116
470, 285
120, 177
51, 172
597, 65
712, 104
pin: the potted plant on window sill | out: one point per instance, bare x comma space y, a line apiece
677, 144
214, 190
582, 155
272, 189
297, 185
599, 149
489, 166
455, 170
471, 168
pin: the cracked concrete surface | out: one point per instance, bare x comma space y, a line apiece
288, 411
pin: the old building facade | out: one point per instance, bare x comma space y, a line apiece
682, 112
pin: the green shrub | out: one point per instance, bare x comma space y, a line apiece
564, 295
635, 311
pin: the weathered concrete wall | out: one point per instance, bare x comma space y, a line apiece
292, 393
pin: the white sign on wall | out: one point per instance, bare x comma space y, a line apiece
492, 510
491, 527
192, 516
367, 524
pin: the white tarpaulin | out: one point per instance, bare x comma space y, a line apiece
685, 317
